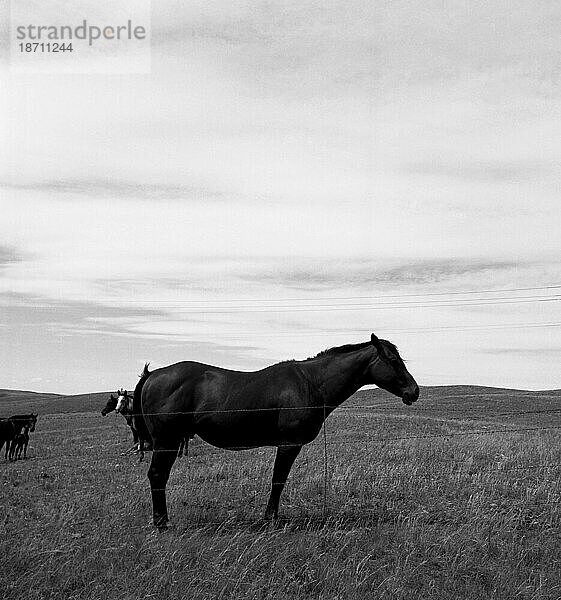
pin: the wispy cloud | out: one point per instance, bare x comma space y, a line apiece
10, 255
486, 171
363, 273
42, 309
116, 189
535, 352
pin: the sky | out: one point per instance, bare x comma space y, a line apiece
287, 177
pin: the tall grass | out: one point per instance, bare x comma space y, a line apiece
472, 515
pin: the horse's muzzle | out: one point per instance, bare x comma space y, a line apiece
410, 396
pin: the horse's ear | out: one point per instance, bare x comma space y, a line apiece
375, 341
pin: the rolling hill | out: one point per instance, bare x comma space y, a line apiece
433, 399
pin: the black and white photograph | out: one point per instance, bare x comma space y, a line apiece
280, 300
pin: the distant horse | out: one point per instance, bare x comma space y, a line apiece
124, 406
111, 406
19, 444
7, 434
283, 405
18, 422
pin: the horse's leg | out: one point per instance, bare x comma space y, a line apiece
130, 450
163, 457
183, 447
140, 450
286, 455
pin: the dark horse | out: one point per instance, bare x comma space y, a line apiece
121, 398
283, 405
20, 444
122, 403
7, 434
12, 426
124, 406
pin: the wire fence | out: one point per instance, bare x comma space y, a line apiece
380, 440
456, 469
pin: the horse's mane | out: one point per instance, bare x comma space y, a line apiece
341, 349
345, 348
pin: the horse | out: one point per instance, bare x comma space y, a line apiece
124, 406
7, 434
18, 423
283, 405
19, 444
111, 406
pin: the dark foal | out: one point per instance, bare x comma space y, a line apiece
18, 422
19, 444
283, 405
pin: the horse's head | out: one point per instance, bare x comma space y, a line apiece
32, 421
388, 371
111, 405
122, 401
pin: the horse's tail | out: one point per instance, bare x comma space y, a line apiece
138, 417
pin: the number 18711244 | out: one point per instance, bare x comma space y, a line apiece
45, 47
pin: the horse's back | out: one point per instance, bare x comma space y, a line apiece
162, 382
230, 408
166, 395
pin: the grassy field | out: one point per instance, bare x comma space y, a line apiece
437, 500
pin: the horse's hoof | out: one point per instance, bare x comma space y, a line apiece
161, 523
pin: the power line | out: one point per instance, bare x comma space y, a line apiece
366, 297
250, 334
362, 306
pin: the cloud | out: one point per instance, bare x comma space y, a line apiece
10, 255
535, 352
115, 189
362, 273
291, 47
485, 171
32, 308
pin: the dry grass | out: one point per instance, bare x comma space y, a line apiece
466, 516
